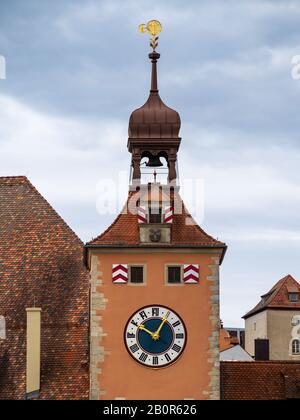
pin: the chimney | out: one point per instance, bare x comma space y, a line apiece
33, 357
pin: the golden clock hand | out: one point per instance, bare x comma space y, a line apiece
164, 320
141, 327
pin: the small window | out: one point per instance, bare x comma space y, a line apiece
155, 215
174, 275
137, 274
294, 297
296, 346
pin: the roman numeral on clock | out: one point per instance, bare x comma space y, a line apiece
179, 336
143, 357
155, 311
168, 357
133, 322
155, 360
143, 315
176, 348
134, 348
129, 335
176, 324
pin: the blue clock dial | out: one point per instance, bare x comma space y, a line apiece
160, 345
155, 336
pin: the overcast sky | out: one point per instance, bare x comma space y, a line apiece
77, 69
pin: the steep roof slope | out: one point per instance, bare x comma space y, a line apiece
41, 264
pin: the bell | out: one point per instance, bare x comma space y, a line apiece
154, 162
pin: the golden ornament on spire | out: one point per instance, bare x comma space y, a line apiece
153, 28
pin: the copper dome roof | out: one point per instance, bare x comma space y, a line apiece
154, 119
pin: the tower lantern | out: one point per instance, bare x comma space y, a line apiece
154, 128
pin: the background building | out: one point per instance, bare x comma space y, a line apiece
273, 326
238, 333
230, 348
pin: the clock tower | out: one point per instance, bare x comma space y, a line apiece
154, 312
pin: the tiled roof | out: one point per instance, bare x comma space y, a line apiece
260, 380
41, 264
124, 231
278, 297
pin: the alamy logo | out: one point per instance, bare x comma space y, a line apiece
2, 68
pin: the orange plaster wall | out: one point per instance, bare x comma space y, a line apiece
120, 375
225, 340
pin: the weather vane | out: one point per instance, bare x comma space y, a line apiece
153, 28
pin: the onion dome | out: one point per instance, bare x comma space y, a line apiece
154, 120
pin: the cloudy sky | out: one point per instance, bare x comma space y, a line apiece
76, 70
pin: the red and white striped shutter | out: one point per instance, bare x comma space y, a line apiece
120, 273
142, 214
191, 274
168, 214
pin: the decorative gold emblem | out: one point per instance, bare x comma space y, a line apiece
153, 28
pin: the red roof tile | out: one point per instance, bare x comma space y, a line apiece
41, 264
124, 231
260, 380
278, 297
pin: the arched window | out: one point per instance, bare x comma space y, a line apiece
296, 346
2, 328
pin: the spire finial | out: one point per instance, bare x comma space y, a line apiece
154, 28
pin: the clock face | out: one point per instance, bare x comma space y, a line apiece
155, 336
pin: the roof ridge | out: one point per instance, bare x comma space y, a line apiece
53, 209
279, 283
19, 179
